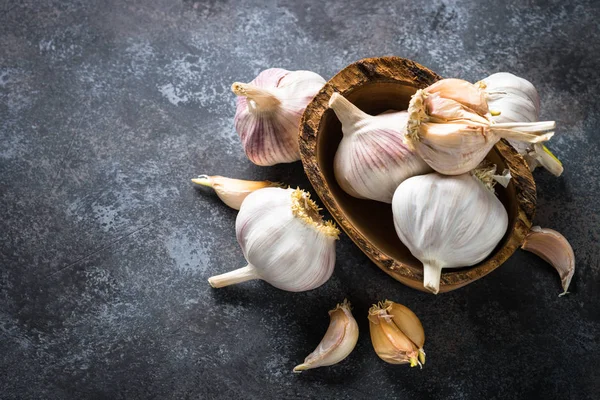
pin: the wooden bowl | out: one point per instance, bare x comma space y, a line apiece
376, 85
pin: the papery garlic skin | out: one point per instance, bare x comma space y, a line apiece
268, 113
232, 191
447, 222
453, 139
555, 249
397, 335
338, 342
372, 158
514, 99
285, 241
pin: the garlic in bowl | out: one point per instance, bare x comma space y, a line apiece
376, 85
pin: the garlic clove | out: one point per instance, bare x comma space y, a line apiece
268, 113
541, 155
232, 191
338, 342
408, 322
285, 241
553, 248
390, 343
372, 158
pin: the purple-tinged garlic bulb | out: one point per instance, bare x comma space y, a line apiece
372, 158
284, 240
268, 113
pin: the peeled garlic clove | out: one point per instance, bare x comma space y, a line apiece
457, 145
232, 191
338, 342
541, 155
553, 248
268, 113
285, 241
372, 158
448, 221
389, 334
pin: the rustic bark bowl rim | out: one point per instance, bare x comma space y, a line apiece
402, 71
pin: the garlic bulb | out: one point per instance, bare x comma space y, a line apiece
448, 221
453, 135
396, 334
338, 342
555, 249
285, 241
232, 191
372, 158
268, 113
514, 99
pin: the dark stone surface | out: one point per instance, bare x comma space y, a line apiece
107, 108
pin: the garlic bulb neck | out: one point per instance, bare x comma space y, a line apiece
432, 273
305, 209
349, 115
261, 99
240, 275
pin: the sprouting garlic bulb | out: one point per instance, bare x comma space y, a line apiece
397, 334
268, 113
338, 342
232, 191
514, 99
448, 221
372, 158
284, 240
453, 134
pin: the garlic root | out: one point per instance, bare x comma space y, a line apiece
553, 248
338, 342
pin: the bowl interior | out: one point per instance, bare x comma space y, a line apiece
374, 219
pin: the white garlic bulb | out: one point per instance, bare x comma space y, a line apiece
453, 135
372, 158
268, 113
514, 99
448, 221
284, 240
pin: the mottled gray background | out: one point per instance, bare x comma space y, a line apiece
108, 108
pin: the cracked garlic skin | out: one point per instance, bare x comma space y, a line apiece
285, 241
448, 221
555, 249
453, 134
397, 334
268, 113
338, 342
232, 191
372, 158
514, 99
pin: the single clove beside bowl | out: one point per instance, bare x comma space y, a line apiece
376, 85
